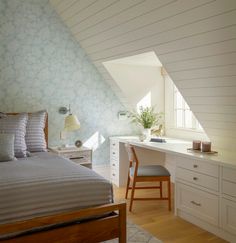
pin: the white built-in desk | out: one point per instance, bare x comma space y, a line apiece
205, 185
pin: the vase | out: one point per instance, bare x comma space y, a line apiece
147, 134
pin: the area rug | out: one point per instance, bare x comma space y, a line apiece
135, 234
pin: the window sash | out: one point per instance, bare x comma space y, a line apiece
182, 111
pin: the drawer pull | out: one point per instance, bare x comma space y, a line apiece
195, 166
114, 153
197, 204
113, 164
113, 174
80, 157
195, 178
113, 144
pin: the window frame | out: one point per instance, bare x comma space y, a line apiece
196, 126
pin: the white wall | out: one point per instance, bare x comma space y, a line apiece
136, 81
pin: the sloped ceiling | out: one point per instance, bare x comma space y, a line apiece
194, 39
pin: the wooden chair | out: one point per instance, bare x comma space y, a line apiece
147, 173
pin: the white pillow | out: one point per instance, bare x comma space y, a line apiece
16, 124
6, 147
35, 137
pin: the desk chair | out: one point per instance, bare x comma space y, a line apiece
147, 173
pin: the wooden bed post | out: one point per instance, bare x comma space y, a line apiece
122, 223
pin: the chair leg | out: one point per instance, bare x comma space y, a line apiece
127, 187
169, 194
161, 189
132, 195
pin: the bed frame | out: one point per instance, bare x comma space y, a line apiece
91, 230
93, 224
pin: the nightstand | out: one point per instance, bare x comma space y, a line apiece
82, 156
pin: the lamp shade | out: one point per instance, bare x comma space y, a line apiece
71, 123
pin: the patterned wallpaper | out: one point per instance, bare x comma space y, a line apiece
43, 67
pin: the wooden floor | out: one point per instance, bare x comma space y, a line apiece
154, 217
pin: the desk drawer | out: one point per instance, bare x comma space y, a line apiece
114, 164
114, 145
206, 181
229, 174
200, 204
198, 166
114, 176
114, 150
114, 153
229, 188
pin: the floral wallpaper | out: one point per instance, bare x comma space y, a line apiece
43, 67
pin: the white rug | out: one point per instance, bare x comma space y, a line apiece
135, 234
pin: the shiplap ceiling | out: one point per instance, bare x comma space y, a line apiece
194, 39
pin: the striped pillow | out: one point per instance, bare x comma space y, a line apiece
16, 124
6, 147
35, 137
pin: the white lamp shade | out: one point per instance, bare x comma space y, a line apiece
71, 123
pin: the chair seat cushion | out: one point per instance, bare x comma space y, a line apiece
150, 170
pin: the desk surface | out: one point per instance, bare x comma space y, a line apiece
177, 146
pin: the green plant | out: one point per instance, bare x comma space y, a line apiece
147, 117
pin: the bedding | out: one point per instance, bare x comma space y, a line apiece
35, 137
45, 184
16, 124
6, 147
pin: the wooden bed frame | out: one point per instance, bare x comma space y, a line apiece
92, 230
93, 224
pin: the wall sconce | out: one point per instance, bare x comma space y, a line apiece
71, 123
64, 110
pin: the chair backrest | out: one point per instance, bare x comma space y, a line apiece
132, 156
130, 152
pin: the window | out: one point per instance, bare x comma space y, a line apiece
184, 117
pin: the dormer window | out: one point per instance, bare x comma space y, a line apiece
183, 116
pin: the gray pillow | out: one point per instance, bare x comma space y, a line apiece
6, 147
16, 124
35, 137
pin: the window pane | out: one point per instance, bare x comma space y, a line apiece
188, 119
179, 118
184, 117
179, 101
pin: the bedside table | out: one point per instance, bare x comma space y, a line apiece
82, 156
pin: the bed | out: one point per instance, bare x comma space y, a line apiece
46, 198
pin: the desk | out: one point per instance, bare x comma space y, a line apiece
205, 185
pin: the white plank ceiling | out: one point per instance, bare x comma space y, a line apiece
194, 39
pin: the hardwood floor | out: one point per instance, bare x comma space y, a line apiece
154, 217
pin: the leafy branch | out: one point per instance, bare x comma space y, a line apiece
147, 117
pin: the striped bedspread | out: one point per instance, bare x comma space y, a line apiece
45, 184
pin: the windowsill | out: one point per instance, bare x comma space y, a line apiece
187, 134
187, 130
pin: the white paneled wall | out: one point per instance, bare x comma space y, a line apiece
194, 39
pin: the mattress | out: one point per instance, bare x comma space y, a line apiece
45, 184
